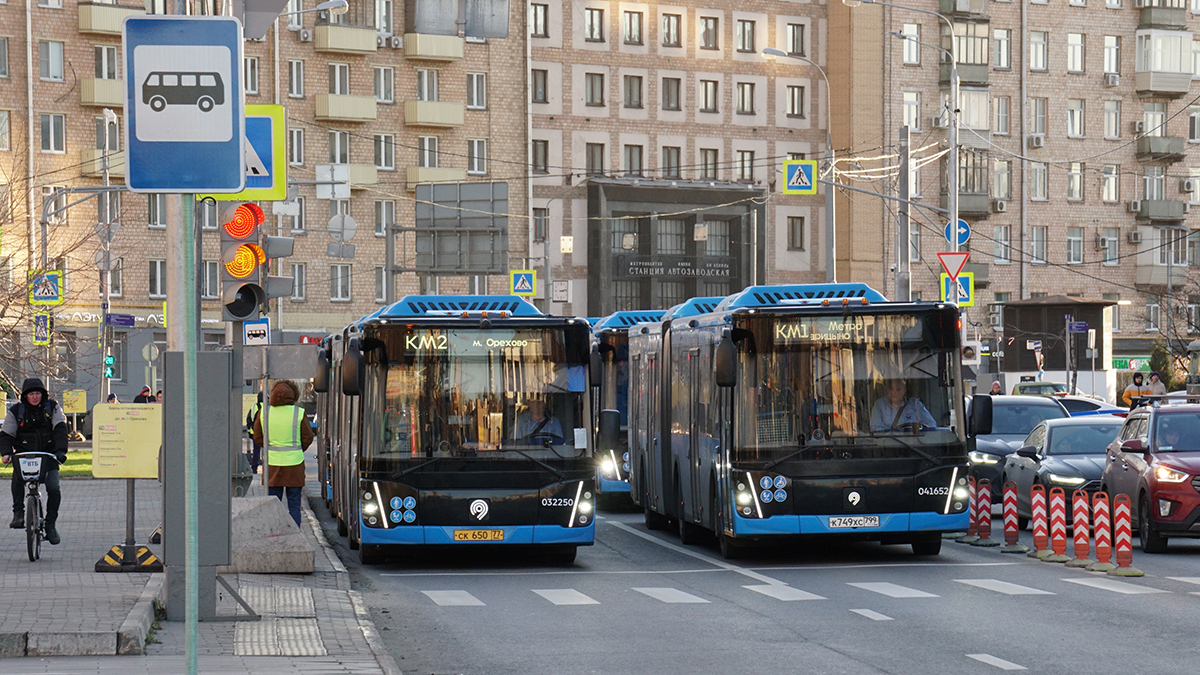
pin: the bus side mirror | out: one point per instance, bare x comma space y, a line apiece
321, 379
352, 368
981, 415
610, 430
725, 362
595, 366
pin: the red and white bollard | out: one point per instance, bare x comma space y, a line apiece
972, 505
983, 515
1012, 534
1102, 526
1080, 515
1123, 538
1058, 526
1041, 524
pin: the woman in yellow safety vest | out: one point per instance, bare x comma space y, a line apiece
288, 434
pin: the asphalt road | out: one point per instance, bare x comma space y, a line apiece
639, 602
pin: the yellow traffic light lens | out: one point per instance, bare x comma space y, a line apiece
243, 221
245, 261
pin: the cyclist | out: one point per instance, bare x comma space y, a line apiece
35, 424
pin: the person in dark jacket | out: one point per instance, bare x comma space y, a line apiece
287, 435
35, 424
255, 458
145, 396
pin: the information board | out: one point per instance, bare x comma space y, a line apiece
126, 439
74, 401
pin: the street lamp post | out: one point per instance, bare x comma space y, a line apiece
110, 118
830, 201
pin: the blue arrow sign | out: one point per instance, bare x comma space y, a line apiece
183, 104
964, 232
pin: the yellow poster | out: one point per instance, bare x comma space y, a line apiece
75, 401
126, 439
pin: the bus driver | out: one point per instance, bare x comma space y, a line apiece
895, 411
537, 421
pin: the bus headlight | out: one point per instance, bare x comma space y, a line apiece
744, 498
370, 508
585, 507
608, 468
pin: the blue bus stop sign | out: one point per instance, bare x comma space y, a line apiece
184, 112
964, 232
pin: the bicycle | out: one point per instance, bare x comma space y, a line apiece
30, 464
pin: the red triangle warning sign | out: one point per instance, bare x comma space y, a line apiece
953, 262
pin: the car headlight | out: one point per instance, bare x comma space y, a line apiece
1169, 475
1060, 479
978, 457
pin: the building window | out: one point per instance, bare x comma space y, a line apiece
594, 89
54, 133
633, 160
1075, 181
627, 295
1002, 45
709, 36
115, 285
250, 74
541, 156
1112, 119
384, 85
1112, 54
1002, 178
972, 171
296, 222
1154, 116
1039, 244
299, 281
1075, 120
5, 132
339, 147
294, 19
670, 161
670, 93
1037, 181
1002, 234
380, 284
206, 213
476, 91
1074, 52
708, 163
50, 60
427, 84
1038, 115
476, 156
158, 278
106, 63
912, 44
427, 152
1110, 183
1074, 245
1037, 50
1111, 239
745, 98
339, 78
339, 283
717, 243
593, 24
107, 135
210, 280
1001, 108
594, 153
156, 210
974, 109
58, 205
1172, 246
795, 39
383, 16
670, 30
1194, 123
385, 216
745, 165
671, 239
745, 35
3, 57
970, 43
1152, 315
633, 28
295, 79
633, 91
541, 223
795, 101
796, 234
1154, 182
1162, 51
295, 147
539, 24
385, 152
538, 84
708, 96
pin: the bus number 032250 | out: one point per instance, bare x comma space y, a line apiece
558, 501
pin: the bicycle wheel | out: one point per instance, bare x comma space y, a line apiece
33, 527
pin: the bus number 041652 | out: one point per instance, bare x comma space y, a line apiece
558, 501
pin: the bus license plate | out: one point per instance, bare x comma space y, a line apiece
853, 521
488, 535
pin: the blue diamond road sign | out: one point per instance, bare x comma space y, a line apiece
183, 104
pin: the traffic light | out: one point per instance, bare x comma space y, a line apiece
109, 365
277, 247
241, 258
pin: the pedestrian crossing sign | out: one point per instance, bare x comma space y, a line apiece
41, 329
965, 296
45, 287
523, 282
800, 177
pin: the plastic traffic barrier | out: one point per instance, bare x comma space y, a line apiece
1123, 538
972, 534
1058, 526
1012, 535
1080, 514
1041, 524
1102, 526
983, 515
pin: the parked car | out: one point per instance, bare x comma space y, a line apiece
1066, 453
1155, 460
1013, 417
1040, 388
1082, 406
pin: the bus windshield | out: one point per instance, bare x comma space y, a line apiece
484, 393
844, 387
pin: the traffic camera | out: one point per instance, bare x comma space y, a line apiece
241, 257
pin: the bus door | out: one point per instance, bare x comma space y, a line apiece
691, 404
655, 458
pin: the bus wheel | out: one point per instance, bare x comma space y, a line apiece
370, 554
205, 104
564, 554
342, 530
689, 533
654, 521
927, 546
158, 103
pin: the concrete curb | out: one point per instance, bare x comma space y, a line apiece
131, 637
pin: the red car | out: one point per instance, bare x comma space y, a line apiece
1155, 459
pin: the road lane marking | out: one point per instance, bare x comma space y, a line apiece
996, 661
672, 596
1002, 587
784, 593
454, 599
892, 590
1115, 586
1186, 580
872, 615
712, 561
565, 596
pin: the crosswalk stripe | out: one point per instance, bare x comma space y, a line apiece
996, 661
893, 590
1115, 586
671, 595
872, 614
454, 599
785, 593
565, 596
1186, 580
1003, 587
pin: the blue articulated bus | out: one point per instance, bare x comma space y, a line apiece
802, 410
460, 420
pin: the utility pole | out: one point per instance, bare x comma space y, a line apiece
903, 279
106, 236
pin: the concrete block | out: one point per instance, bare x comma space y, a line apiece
266, 540
12, 644
72, 644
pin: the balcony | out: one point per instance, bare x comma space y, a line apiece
345, 108
345, 39
1153, 148
425, 174
1157, 275
433, 47
982, 272
433, 114
92, 163
1162, 209
975, 10
970, 204
969, 74
104, 19
106, 93
1162, 83
1162, 17
363, 176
